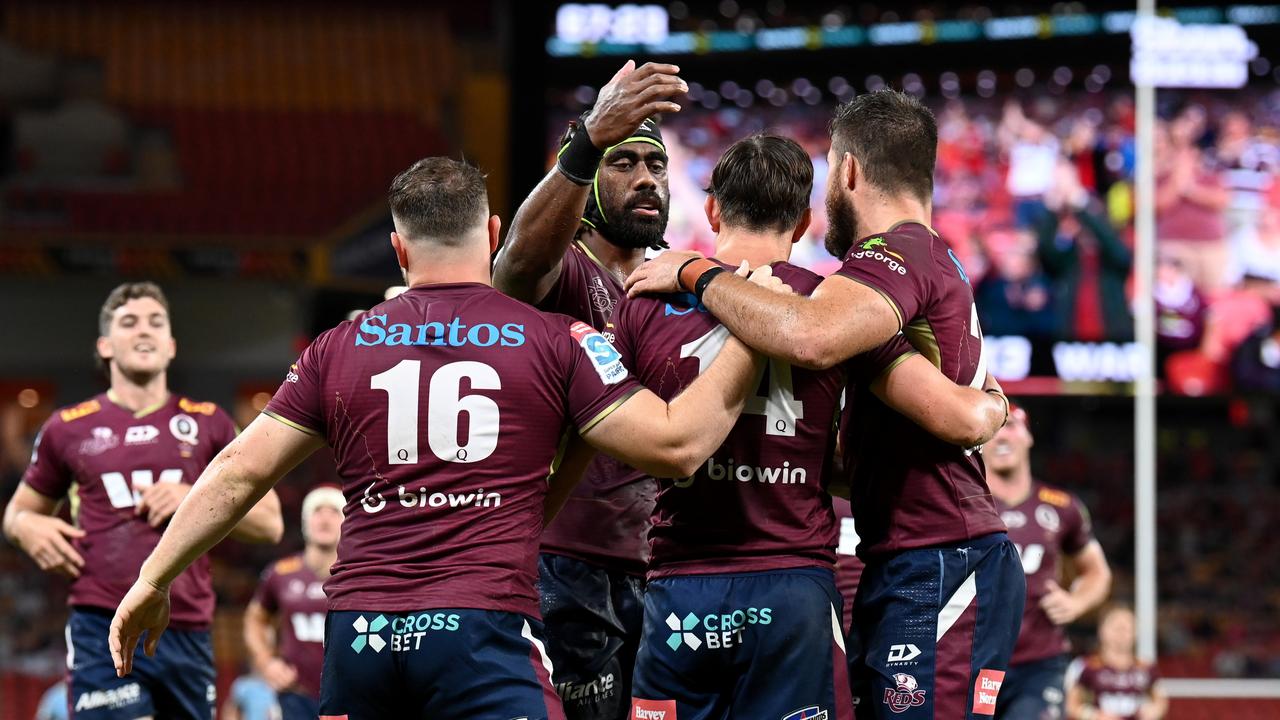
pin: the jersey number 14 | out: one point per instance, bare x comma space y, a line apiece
780, 408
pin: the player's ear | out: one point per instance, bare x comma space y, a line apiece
402, 253
104, 348
712, 208
851, 171
495, 225
806, 217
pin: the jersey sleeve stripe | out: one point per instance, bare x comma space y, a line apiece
896, 362
608, 410
892, 303
290, 423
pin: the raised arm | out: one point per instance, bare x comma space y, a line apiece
672, 439
528, 265
840, 319
240, 476
959, 415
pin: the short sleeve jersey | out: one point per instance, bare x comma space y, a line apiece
605, 519
1118, 692
445, 408
760, 501
910, 489
294, 594
103, 456
1048, 524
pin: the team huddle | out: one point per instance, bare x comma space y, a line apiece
577, 483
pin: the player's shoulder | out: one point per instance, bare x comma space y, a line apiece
74, 413
287, 565
802, 280
1056, 497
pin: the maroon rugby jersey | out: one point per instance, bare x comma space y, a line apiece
760, 501
1048, 524
294, 594
1118, 692
104, 455
605, 520
910, 489
445, 407
848, 566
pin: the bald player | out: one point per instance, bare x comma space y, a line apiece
579, 234
934, 545
446, 408
1047, 525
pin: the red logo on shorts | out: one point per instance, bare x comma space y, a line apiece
985, 691
908, 694
653, 709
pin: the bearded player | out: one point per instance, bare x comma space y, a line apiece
740, 577
1047, 525
284, 623
446, 408
127, 458
940, 600
582, 230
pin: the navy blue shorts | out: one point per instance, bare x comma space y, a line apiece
1034, 690
296, 706
749, 645
593, 618
177, 683
441, 664
934, 629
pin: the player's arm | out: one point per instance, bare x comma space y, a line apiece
528, 265
573, 462
839, 320
959, 415
1157, 706
260, 641
237, 479
30, 524
673, 439
1088, 590
1079, 705
263, 524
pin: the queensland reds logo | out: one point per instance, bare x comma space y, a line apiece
908, 694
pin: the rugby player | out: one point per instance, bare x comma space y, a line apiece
284, 622
934, 545
1046, 524
1113, 684
127, 458
741, 576
579, 234
445, 407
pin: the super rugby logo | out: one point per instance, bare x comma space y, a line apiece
907, 695
605, 360
877, 249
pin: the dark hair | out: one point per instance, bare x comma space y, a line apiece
763, 182
438, 198
894, 137
116, 299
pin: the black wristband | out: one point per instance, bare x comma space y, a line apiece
680, 271
580, 159
704, 280
1004, 398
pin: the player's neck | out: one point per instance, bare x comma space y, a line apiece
1116, 659
733, 245
616, 259
1014, 487
319, 559
446, 270
137, 394
890, 211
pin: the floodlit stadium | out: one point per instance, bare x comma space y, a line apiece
796, 359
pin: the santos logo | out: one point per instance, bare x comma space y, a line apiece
785, 475
374, 502
375, 331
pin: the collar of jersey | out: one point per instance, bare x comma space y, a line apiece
111, 395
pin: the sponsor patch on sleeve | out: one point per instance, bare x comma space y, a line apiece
653, 709
605, 359
985, 691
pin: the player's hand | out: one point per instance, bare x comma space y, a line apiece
1059, 605
144, 609
161, 501
47, 540
279, 674
764, 277
659, 275
630, 98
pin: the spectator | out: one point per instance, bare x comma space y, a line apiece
1087, 261
1248, 166
1033, 153
1191, 201
1256, 247
1016, 299
1257, 360
1180, 310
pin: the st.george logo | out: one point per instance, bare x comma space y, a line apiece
907, 695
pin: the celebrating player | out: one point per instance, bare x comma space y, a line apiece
582, 230
284, 623
445, 408
742, 551
1045, 524
1113, 684
929, 526
128, 458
